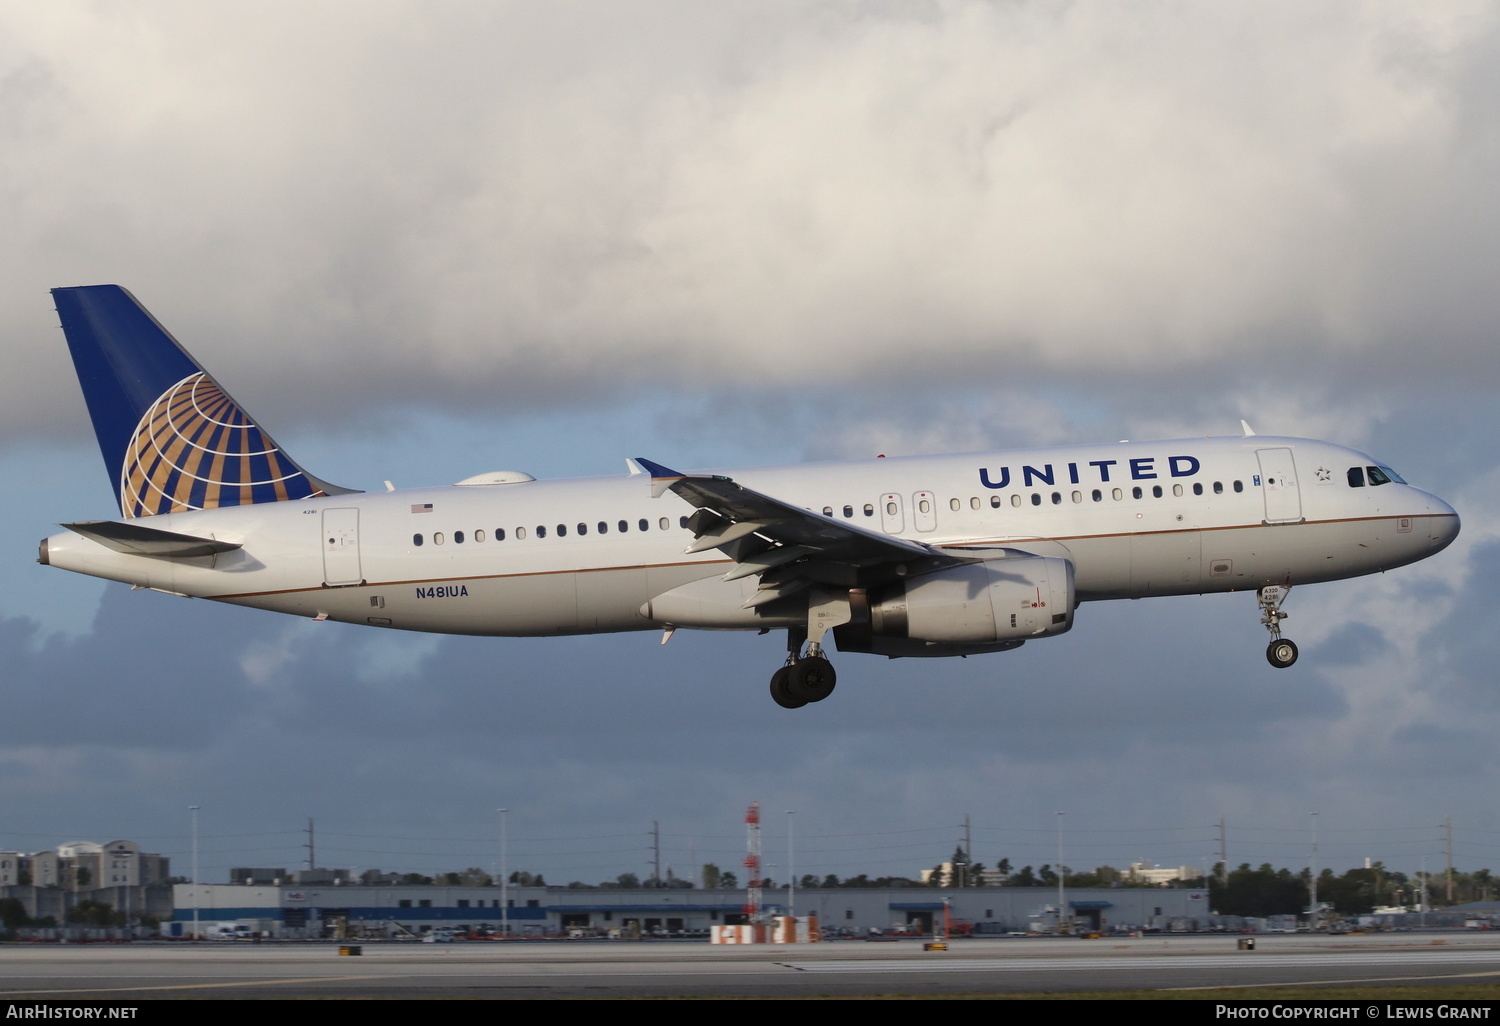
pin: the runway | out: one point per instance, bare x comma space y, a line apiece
239, 970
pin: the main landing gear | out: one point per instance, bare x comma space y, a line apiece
1280, 653
805, 678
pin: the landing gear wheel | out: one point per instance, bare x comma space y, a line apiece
780, 693
811, 679
1281, 653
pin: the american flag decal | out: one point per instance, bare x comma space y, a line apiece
421, 507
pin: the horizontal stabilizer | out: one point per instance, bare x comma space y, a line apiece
139, 540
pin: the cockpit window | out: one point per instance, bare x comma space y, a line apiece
1388, 472
1377, 476
1356, 477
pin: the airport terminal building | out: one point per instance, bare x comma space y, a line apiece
338, 909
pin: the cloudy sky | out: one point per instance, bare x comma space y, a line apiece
424, 240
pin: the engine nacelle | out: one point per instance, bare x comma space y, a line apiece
986, 603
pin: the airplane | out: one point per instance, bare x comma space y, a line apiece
950, 555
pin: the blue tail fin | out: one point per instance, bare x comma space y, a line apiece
173, 440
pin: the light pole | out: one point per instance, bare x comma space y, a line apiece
1063, 925
504, 891
1313, 892
791, 871
194, 810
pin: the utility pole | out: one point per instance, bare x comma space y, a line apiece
1223, 855
655, 853
968, 852
194, 810
1062, 916
504, 883
791, 870
1313, 902
312, 851
1448, 828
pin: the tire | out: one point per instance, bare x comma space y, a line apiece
811, 680
780, 693
1281, 654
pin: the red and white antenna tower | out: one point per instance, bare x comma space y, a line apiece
752, 860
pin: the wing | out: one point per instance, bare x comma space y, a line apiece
789, 547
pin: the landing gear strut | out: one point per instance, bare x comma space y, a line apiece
1280, 653
805, 678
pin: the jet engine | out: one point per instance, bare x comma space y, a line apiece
978, 607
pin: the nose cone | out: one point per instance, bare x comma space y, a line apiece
1443, 523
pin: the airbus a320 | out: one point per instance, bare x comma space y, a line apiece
917, 556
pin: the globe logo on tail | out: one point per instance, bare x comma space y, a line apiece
196, 449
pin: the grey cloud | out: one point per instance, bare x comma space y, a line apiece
562, 204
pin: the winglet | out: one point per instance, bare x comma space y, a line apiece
662, 477
1247, 428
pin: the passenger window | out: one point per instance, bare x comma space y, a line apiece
1015, 500
1239, 486
1136, 492
541, 532
890, 509
479, 536
953, 504
1177, 489
925, 506
1097, 495
583, 529
562, 530
500, 534
848, 511
643, 524
458, 537
1156, 491
1077, 496
521, 533
1057, 498
869, 510
974, 502
1198, 488
603, 527
437, 538
624, 526
994, 502
682, 522
828, 511
1036, 498
416, 540
664, 523
1117, 495
1218, 487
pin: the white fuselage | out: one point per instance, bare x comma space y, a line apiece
588, 555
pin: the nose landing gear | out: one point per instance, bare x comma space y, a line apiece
1280, 653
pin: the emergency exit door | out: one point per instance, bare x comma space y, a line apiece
341, 548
